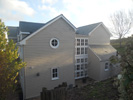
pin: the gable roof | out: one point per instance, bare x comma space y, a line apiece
103, 52
13, 31
47, 24
86, 30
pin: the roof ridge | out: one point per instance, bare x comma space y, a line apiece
30, 22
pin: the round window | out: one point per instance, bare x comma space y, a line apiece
54, 43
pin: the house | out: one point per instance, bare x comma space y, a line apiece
57, 52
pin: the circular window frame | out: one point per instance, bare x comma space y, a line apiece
56, 45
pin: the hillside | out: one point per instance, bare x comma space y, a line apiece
115, 44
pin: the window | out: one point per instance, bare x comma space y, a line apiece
55, 74
86, 42
78, 61
86, 50
54, 43
78, 51
78, 74
82, 60
82, 66
82, 73
86, 60
82, 42
78, 67
78, 42
82, 50
106, 66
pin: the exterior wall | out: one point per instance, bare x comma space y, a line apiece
21, 73
113, 70
93, 66
40, 58
22, 79
104, 74
99, 36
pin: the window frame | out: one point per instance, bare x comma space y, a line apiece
57, 43
54, 78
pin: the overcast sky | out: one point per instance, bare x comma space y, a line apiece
79, 12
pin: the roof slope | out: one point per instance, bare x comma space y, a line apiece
104, 52
29, 26
13, 31
44, 26
85, 30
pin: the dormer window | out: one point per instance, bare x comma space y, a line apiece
54, 43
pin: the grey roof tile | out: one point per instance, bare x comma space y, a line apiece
85, 30
29, 26
104, 52
13, 31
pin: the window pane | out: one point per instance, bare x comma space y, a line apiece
86, 59
82, 50
82, 42
86, 73
78, 74
86, 65
78, 67
106, 66
54, 73
82, 60
86, 42
78, 42
55, 42
78, 60
78, 51
86, 50
82, 73
82, 66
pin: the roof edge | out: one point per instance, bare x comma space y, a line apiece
101, 23
23, 42
95, 53
95, 28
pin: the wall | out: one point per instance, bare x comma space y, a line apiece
93, 65
40, 58
99, 36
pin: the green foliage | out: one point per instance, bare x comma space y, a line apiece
125, 79
9, 63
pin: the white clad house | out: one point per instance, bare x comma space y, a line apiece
57, 52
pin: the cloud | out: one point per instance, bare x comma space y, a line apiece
49, 1
14, 10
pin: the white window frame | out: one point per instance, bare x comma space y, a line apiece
81, 46
54, 78
80, 65
81, 56
57, 43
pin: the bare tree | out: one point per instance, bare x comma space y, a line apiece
121, 23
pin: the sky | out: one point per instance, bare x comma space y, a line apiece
78, 12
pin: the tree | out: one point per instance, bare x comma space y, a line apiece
121, 24
9, 63
125, 78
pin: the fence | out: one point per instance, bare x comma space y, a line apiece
59, 93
